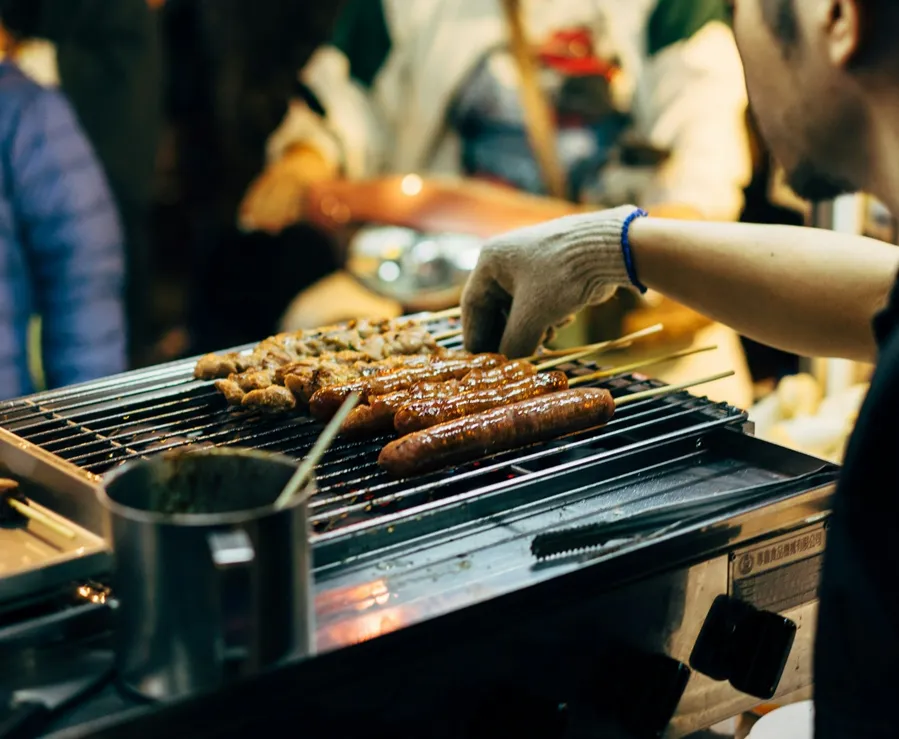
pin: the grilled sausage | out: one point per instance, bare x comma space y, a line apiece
508, 372
497, 430
419, 391
422, 414
367, 419
305, 380
474, 380
325, 402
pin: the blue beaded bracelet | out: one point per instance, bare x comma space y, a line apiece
626, 248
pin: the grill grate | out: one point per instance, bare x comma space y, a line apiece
100, 425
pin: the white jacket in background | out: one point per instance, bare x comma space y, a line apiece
689, 98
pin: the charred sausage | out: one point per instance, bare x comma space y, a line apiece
325, 402
367, 419
475, 380
419, 391
497, 430
422, 414
508, 372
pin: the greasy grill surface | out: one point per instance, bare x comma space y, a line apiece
109, 422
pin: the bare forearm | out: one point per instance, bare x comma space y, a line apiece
807, 291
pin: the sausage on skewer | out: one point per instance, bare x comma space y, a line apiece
377, 416
422, 414
513, 426
497, 430
325, 402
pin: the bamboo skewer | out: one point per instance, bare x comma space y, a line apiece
613, 371
299, 478
669, 389
620, 343
451, 334
39, 517
439, 315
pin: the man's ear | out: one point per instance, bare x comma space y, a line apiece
840, 23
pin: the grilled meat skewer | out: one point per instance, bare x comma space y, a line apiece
378, 416
325, 402
497, 430
423, 414
374, 339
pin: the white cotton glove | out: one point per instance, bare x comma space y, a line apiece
529, 280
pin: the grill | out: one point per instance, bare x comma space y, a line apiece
105, 424
717, 551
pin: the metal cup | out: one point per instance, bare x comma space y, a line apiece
212, 582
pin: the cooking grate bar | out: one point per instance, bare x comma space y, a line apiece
521, 458
633, 412
221, 428
327, 520
104, 422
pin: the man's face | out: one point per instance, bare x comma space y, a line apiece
806, 106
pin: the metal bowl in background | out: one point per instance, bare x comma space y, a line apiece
412, 267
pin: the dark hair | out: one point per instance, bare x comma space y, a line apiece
879, 19
21, 18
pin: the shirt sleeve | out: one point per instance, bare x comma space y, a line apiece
73, 241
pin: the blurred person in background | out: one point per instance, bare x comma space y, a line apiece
647, 98
60, 240
231, 71
107, 61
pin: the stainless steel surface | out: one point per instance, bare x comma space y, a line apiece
59, 484
35, 558
455, 545
210, 579
411, 267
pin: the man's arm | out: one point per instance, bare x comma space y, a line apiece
807, 291
73, 242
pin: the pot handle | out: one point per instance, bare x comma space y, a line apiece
233, 555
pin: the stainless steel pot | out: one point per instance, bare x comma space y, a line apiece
412, 267
211, 581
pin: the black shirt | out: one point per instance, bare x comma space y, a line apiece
857, 647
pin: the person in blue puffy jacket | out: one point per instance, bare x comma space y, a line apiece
61, 246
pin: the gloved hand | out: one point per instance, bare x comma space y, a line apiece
530, 280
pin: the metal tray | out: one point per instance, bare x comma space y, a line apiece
35, 559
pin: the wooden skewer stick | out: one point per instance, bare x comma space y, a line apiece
295, 485
41, 518
579, 352
448, 313
612, 371
669, 389
451, 334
